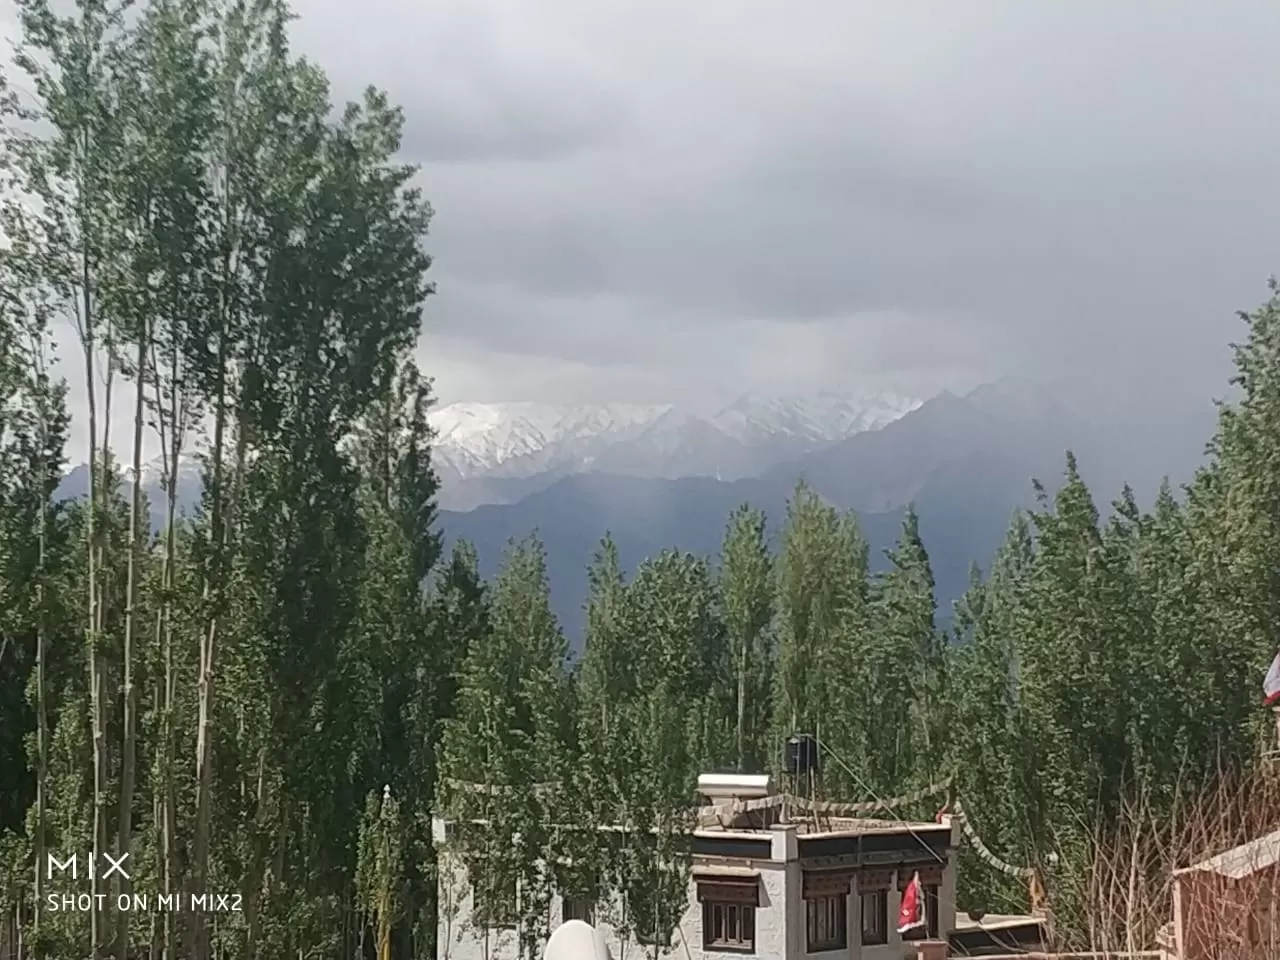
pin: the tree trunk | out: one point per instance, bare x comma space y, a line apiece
167, 747
129, 747
210, 596
742, 702
42, 704
259, 874
97, 479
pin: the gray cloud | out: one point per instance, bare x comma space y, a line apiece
927, 192
648, 200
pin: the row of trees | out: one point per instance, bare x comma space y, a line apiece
263, 699
1101, 665
217, 702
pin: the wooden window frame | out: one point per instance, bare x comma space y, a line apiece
728, 926
932, 900
879, 900
834, 908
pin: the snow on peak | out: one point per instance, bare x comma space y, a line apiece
524, 438
475, 437
153, 470
819, 417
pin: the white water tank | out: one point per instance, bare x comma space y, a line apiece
721, 787
576, 940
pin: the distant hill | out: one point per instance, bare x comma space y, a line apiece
966, 462
646, 516
499, 452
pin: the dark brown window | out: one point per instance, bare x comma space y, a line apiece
826, 921
930, 929
728, 926
875, 917
573, 908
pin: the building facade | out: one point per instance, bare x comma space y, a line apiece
817, 889
1229, 906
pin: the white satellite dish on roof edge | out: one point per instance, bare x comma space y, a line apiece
576, 940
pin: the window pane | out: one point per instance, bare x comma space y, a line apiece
875, 920
728, 926
826, 926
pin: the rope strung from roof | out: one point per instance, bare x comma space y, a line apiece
835, 809
497, 789
984, 854
714, 814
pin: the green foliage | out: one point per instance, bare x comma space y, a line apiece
277, 695
508, 739
746, 596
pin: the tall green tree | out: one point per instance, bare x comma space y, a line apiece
502, 750
75, 63
809, 580
990, 755
912, 704
746, 595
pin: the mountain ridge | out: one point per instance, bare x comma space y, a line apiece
481, 446
965, 462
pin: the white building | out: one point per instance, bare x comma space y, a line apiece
823, 888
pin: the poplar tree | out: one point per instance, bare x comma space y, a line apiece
499, 749
746, 596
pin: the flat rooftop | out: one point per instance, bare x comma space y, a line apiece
833, 826
995, 922
1242, 861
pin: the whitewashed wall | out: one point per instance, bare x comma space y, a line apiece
780, 920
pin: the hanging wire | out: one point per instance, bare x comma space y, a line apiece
888, 806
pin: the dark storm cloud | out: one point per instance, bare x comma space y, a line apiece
828, 190
477, 87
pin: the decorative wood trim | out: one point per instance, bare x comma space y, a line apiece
871, 880
745, 890
929, 876
826, 883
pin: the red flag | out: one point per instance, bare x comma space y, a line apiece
1271, 684
911, 913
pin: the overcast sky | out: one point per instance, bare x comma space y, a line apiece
639, 200
660, 199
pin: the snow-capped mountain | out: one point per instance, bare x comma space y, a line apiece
152, 471
496, 452
75, 486
518, 439
502, 452
821, 417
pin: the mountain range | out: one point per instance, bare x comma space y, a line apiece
666, 476
502, 452
965, 462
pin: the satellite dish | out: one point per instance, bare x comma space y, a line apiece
576, 940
